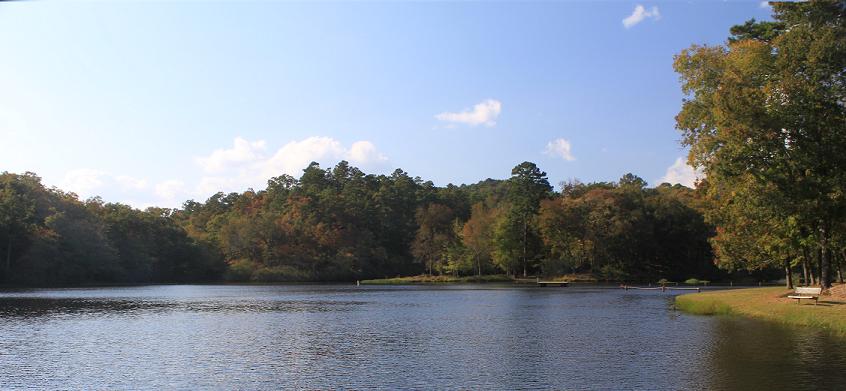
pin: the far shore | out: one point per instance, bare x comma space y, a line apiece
422, 279
772, 304
485, 278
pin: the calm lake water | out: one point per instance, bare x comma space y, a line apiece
412, 337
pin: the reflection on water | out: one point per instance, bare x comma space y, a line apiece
317, 337
756, 355
32, 307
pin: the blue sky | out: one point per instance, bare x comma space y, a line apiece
153, 103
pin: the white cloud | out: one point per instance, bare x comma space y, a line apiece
764, 4
242, 151
83, 182
484, 113
559, 148
170, 189
129, 183
364, 152
640, 14
296, 155
681, 173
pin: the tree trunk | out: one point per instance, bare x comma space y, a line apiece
7, 273
814, 269
525, 239
805, 269
806, 275
787, 274
825, 261
478, 266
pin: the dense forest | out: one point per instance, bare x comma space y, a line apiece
342, 224
764, 119
51, 237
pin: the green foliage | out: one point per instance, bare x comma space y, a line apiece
517, 236
690, 304
764, 31
627, 231
241, 270
435, 237
279, 274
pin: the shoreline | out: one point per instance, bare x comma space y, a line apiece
424, 279
770, 304
483, 279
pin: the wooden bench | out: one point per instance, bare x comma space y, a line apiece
804, 292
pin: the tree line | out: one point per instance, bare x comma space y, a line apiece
342, 224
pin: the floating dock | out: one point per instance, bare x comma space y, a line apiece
554, 283
660, 288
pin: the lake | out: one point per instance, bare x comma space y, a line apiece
480, 337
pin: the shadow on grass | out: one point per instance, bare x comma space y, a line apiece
829, 303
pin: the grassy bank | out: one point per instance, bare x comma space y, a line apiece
770, 304
424, 279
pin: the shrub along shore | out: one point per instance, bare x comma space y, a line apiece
770, 304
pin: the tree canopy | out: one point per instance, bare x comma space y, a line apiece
765, 119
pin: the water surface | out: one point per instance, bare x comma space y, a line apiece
408, 337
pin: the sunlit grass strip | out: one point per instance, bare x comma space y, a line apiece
702, 307
424, 279
768, 304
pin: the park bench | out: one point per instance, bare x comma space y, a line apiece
804, 292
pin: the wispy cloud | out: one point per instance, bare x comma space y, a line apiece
764, 4
84, 182
681, 173
559, 148
170, 190
640, 14
130, 183
244, 164
247, 164
484, 113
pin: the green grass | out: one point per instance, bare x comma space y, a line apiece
702, 307
769, 304
425, 279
